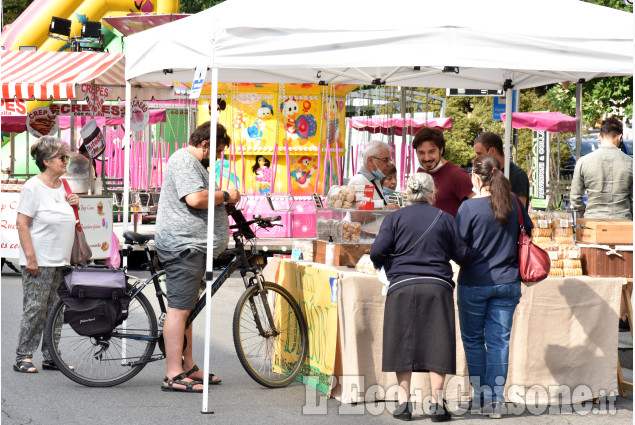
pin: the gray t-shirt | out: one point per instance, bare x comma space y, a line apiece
180, 226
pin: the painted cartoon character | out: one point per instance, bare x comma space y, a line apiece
331, 119
302, 174
144, 6
290, 109
263, 174
265, 111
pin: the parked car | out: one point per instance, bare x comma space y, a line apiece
588, 146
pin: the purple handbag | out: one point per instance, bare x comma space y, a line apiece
95, 282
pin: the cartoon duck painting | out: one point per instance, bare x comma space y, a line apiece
302, 174
255, 132
290, 109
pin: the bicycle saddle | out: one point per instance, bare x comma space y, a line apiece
130, 237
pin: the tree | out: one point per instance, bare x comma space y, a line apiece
195, 6
11, 9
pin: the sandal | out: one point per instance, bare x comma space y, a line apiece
50, 365
178, 379
24, 366
211, 376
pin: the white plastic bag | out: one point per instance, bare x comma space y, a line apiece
381, 274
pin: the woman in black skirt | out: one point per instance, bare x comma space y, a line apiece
415, 245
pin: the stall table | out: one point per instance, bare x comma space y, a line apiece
565, 333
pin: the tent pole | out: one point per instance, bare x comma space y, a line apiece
73, 142
12, 155
209, 273
126, 162
28, 161
508, 123
578, 118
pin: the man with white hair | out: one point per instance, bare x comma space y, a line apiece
376, 158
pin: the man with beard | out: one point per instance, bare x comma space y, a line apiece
453, 184
181, 243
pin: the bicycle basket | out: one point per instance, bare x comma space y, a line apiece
240, 221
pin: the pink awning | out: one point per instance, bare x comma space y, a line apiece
554, 122
386, 125
12, 124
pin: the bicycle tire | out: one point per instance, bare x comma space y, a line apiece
99, 361
256, 351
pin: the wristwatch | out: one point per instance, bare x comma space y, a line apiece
225, 196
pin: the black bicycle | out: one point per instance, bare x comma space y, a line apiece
270, 332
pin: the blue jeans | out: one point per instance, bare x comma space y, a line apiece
486, 314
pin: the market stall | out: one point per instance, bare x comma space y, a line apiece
564, 337
357, 45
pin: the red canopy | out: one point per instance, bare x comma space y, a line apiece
13, 124
554, 122
388, 125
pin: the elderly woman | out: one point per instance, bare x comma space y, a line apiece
415, 245
46, 230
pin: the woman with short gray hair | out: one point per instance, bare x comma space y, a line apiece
45, 224
415, 246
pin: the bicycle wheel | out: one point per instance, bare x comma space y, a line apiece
107, 360
273, 354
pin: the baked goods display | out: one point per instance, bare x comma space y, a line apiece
364, 265
339, 231
344, 197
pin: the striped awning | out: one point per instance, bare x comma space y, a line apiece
54, 75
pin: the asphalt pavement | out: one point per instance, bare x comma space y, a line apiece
49, 398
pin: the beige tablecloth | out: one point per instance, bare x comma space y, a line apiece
565, 333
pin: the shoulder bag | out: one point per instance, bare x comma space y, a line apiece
534, 261
81, 251
423, 236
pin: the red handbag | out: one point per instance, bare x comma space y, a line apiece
534, 261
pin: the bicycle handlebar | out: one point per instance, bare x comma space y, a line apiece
261, 221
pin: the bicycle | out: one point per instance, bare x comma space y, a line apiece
269, 330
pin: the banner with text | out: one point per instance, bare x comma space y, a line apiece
316, 291
95, 214
540, 166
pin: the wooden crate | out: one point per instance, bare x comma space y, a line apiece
345, 254
605, 231
596, 263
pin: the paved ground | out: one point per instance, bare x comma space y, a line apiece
49, 398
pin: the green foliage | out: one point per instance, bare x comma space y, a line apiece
11, 9
600, 96
195, 6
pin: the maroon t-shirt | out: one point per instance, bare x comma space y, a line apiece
453, 185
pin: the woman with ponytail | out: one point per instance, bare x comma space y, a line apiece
489, 287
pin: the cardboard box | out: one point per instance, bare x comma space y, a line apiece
597, 263
345, 254
604, 231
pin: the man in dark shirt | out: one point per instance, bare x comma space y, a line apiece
489, 143
453, 184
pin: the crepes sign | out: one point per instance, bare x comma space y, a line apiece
95, 97
43, 121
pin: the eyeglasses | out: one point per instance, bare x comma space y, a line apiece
386, 160
64, 158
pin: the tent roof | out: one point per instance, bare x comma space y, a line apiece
554, 122
354, 42
55, 75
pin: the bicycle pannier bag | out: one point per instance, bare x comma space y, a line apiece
534, 261
93, 316
88, 282
95, 299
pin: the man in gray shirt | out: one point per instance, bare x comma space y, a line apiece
181, 243
606, 176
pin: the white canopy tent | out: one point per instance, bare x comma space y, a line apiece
488, 44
